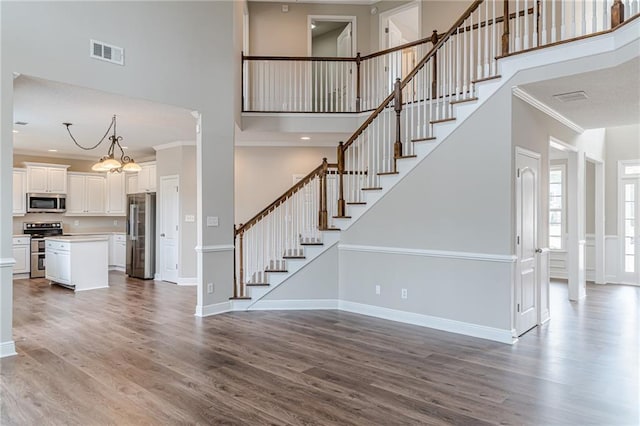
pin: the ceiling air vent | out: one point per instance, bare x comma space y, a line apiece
571, 96
106, 52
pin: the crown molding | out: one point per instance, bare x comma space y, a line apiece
521, 94
174, 145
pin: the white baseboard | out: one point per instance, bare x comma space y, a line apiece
187, 281
283, 305
452, 326
156, 277
215, 309
116, 268
21, 276
7, 349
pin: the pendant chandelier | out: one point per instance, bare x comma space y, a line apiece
109, 163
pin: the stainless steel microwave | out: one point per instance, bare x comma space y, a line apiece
46, 203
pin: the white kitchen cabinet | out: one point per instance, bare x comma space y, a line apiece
116, 199
19, 192
147, 177
86, 194
132, 183
22, 255
58, 261
46, 178
118, 250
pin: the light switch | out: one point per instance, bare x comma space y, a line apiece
212, 220
189, 218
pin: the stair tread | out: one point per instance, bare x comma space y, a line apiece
294, 257
257, 284
473, 99
375, 188
331, 229
311, 244
480, 80
356, 203
342, 217
402, 157
240, 298
276, 270
430, 138
443, 120
387, 173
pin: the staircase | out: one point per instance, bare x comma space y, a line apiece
453, 79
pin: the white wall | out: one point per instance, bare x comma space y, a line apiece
50, 40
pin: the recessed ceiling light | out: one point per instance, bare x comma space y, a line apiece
52, 150
305, 138
15, 131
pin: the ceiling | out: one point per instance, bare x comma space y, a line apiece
613, 96
323, 27
45, 105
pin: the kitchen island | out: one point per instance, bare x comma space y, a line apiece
78, 262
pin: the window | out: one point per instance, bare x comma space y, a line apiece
556, 207
629, 217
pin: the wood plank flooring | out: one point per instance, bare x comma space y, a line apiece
135, 354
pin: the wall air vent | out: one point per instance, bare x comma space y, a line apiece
21, 123
106, 52
571, 96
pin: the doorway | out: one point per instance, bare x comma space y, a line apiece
400, 25
527, 288
331, 36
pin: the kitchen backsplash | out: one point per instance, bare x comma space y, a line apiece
74, 224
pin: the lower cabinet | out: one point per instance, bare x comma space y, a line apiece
117, 250
22, 255
58, 258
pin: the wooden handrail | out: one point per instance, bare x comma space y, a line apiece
414, 71
300, 58
400, 47
295, 188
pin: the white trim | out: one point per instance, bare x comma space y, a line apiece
333, 18
175, 144
187, 281
8, 349
561, 146
156, 277
519, 93
216, 248
7, 262
384, 16
444, 324
215, 309
483, 257
297, 305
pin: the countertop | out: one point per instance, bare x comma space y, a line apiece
78, 238
21, 236
73, 234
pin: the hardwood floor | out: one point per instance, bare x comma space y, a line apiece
135, 354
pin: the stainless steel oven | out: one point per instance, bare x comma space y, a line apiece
38, 231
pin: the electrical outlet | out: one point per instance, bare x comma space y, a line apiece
189, 218
404, 293
378, 289
115, 222
212, 220
210, 288
76, 222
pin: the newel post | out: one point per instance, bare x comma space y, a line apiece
323, 218
617, 13
505, 29
342, 205
238, 287
397, 106
434, 73
358, 102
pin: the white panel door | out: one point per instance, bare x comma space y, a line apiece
527, 196
168, 229
344, 42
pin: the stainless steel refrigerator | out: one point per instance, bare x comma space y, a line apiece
141, 231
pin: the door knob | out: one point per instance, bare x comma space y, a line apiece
162, 235
538, 250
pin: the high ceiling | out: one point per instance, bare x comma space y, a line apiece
45, 105
613, 96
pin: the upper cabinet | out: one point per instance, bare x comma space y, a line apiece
147, 177
19, 192
116, 196
46, 178
86, 194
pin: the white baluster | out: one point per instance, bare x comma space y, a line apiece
494, 40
